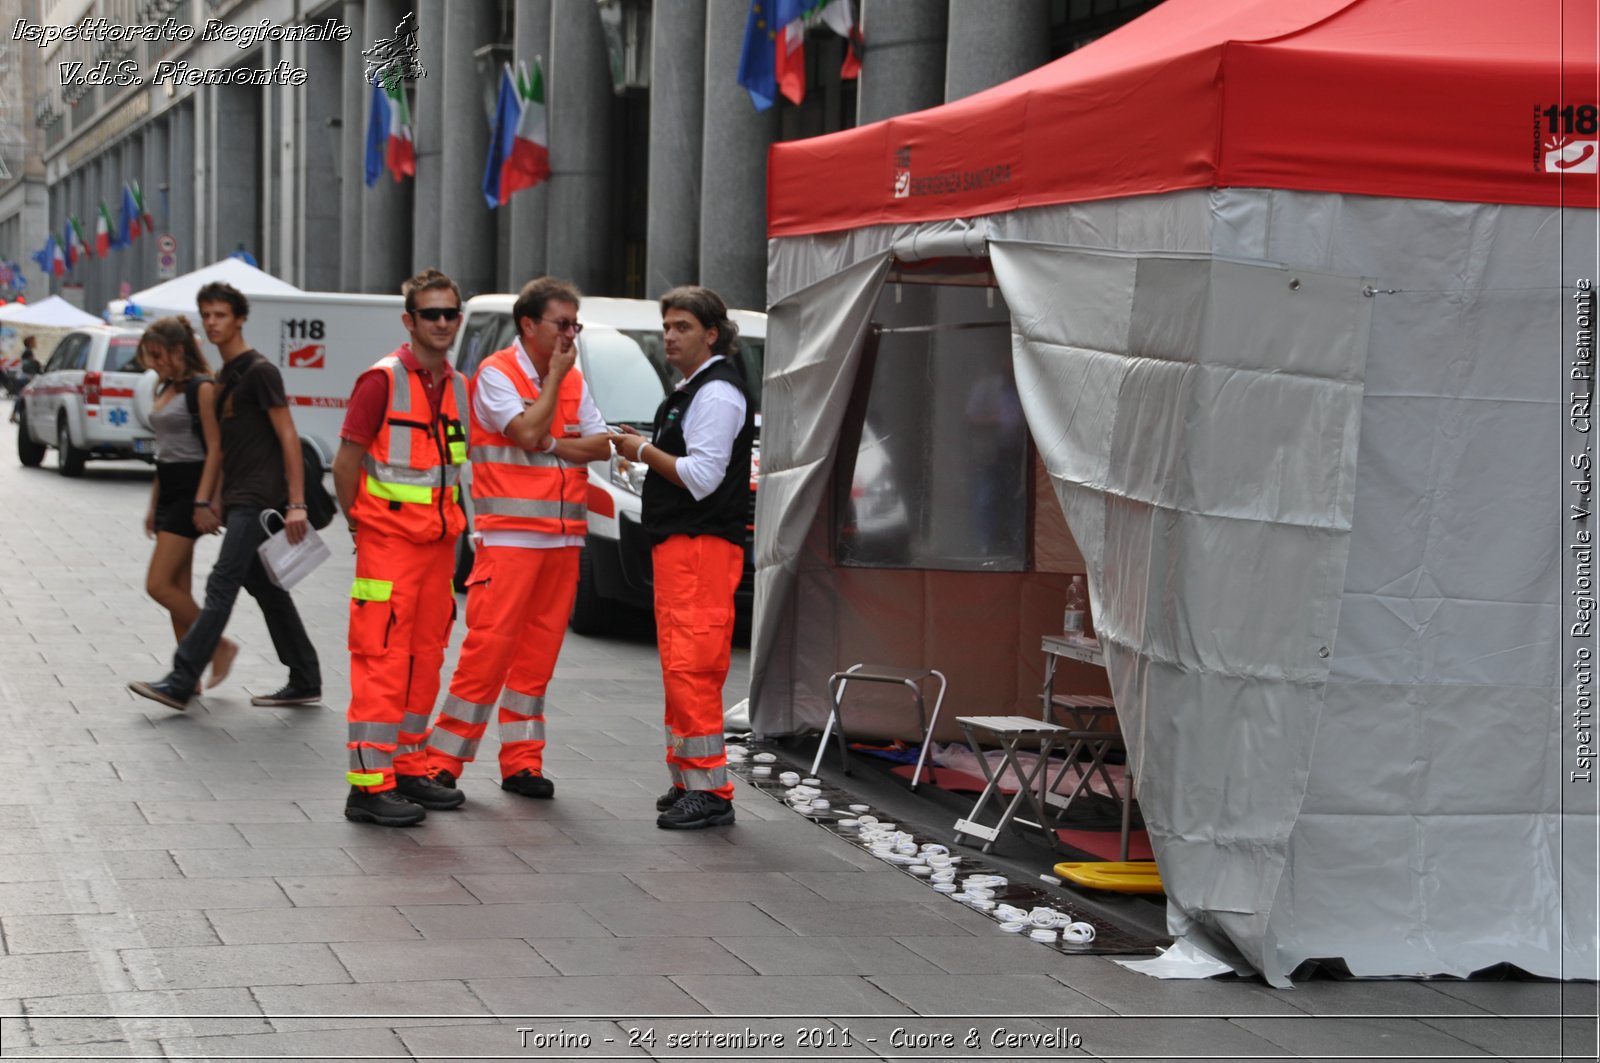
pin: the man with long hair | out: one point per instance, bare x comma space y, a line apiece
696, 506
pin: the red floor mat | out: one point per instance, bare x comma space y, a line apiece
1105, 843
957, 782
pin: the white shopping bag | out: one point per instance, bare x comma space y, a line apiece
289, 563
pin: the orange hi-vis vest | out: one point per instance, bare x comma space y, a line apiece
524, 490
413, 467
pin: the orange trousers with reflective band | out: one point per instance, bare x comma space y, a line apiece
518, 602
401, 609
695, 577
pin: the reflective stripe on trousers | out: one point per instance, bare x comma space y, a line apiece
402, 605
518, 601
695, 578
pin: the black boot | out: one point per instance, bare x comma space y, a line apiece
386, 809
428, 791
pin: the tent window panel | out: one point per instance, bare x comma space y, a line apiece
938, 477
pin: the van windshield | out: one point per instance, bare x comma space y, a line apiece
621, 379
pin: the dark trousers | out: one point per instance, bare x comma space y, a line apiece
238, 565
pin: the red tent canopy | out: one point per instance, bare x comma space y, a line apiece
1484, 101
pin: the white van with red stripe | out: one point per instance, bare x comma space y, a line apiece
82, 404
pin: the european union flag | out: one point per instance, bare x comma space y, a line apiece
758, 71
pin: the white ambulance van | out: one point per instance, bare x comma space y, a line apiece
621, 357
320, 341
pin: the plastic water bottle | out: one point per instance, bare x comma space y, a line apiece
1077, 606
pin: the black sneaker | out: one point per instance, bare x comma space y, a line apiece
387, 809
670, 798
528, 784
427, 792
444, 777
289, 695
164, 691
697, 809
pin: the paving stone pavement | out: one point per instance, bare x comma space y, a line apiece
183, 885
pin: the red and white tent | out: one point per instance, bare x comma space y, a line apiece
1300, 306
1469, 100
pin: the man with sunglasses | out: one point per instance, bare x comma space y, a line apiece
402, 449
535, 428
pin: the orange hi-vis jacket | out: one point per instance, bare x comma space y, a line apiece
524, 490
413, 467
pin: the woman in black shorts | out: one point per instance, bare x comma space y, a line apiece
188, 471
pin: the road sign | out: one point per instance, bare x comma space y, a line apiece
166, 244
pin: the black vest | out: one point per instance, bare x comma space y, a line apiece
671, 510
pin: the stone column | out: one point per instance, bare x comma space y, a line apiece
579, 98
467, 233
902, 62
525, 228
677, 114
181, 193
993, 41
355, 95
386, 206
428, 112
733, 190
142, 253
156, 201
236, 178
322, 180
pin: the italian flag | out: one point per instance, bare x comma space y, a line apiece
138, 199
528, 162
102, 232
58, 261
401, 154
77, 236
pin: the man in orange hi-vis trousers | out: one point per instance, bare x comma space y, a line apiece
696, 506
534, 429
402, 449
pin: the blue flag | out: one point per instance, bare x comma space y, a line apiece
377, 133
46, 255
758, 71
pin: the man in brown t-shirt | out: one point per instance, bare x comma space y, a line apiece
261, 469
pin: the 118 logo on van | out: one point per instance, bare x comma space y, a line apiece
297, 354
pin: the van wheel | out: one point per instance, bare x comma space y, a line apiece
69, 459
589, 616
30, 453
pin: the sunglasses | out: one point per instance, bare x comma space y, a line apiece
439, 313
564, 323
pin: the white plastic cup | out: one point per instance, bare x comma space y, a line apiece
1077, 933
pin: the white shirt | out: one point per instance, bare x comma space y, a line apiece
715, 417
495, 401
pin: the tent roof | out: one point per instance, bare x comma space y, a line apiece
54, 312
1428, 99
178, 293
